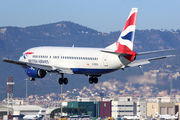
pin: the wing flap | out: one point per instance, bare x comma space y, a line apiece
146, 61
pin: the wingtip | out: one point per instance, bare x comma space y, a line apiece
171, 56
4, 59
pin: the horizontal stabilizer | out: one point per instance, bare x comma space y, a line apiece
113, 52
146, 61
150, 52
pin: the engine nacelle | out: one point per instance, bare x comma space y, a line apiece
35, 73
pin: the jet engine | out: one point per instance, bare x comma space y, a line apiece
35, 73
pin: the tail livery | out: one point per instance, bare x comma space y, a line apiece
156, 113
125, 42
126, 38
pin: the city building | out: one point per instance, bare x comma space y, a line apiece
161, 107
19, 111
89, 106
142, 107
105, 109
122, 108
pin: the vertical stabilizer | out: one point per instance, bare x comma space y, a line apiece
177, 115
139, 114
126, 38
39, 113
156, 113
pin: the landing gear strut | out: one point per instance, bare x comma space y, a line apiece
93, 79
63, 80
32, 79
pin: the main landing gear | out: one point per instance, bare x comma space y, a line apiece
63, 80
93, 79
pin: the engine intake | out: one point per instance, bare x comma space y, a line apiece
35, 73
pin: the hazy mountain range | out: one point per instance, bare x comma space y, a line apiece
15, 40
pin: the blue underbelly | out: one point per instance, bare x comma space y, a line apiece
92, 71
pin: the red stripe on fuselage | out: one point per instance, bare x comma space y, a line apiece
29, 53
131, 21
124, 49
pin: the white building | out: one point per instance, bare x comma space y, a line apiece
163, 99
20, 102
142, 107
64, 104
129, 106
133, 99
123, 108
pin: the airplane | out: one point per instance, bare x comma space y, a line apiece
92, 62
132, 117
167, 116
39, 115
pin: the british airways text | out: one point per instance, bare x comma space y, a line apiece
38, 61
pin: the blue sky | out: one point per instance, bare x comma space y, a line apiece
101, 15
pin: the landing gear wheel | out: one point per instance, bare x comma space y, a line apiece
95, 80
65, 81
91, 80
32, 79
60, 81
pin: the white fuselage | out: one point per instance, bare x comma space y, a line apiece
88, 61
30, 117
167, 116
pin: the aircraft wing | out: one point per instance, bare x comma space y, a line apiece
146, 61
44, 67
15, 62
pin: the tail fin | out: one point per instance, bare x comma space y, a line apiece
139, 114
177, 114
156, 113
126, 38
39, 113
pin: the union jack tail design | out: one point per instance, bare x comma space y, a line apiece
125, 42
127, 35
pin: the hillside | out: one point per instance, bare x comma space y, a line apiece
15, 40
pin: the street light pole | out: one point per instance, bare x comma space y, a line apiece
61, 99
26, 87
